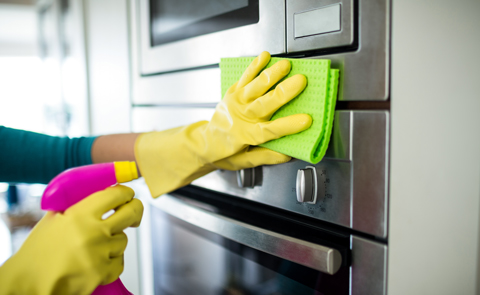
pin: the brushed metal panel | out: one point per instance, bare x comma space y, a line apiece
199, 86
369, 267
370, 169
364, 73
317, 21
343, 37
277, 185
339, 146
355, 172
278, 189
145, 119
268, 34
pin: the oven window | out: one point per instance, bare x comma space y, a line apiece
190, 260
173, 20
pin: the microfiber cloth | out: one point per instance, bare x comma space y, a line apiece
318, 100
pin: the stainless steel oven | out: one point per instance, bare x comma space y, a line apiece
250, 229
258, 231
214, 28
354, 34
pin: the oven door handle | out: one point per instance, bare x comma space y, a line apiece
321, 258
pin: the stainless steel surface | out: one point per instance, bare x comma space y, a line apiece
246, 177
369, 267
199, 86
307, 185
317, 21
342, 36
352, 179
370, 190
364, 73
146, 119
354, 171
279, 189
324, 259
268, 34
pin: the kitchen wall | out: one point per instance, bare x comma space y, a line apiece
435, 148
108, 62
107, 40
22, 40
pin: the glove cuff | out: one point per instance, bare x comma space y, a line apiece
170, 159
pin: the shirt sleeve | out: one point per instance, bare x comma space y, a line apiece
30, 157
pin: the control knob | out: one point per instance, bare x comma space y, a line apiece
307, 185
246, 177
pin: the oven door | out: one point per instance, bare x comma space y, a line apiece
195, 241
200, 249
214, 29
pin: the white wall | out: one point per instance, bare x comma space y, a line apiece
18, 35
108, 65
435, 151
108, 62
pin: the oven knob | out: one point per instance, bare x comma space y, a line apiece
307, 185
246, 177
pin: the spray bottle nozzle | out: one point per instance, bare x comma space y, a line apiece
125, 171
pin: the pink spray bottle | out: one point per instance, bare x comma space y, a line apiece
73, 185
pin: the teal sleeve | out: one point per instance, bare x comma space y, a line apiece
30, 157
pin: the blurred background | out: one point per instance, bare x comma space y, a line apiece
64, 71
42, 89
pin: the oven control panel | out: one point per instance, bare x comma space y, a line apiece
348, 187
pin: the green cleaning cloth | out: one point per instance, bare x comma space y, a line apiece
318, 100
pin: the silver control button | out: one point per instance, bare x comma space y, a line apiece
307, 185
246, 177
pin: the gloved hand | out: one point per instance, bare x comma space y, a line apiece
249, 157
75, 251
173, 158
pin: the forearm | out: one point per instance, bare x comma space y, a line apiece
114, 147
31, 157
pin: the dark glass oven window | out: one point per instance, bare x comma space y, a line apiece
173, 20
190, 260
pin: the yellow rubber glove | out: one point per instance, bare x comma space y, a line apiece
173, 158
74, 252
252, 156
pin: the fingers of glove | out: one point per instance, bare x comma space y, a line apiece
269, 77
232, 88
251, 157
114, 270
253, 69
104, 201
265, 106
127, 215
118, 244
270, 130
